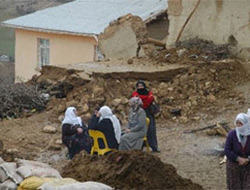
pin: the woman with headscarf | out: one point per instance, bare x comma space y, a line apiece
74, 133
136, 129
147, 99
237, 150
109, 125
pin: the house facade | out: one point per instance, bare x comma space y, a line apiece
36, 49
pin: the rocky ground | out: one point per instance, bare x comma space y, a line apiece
208, 88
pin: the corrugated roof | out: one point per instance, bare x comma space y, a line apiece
89, 17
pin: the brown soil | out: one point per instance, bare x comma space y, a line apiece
127, 170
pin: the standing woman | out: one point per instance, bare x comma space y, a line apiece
74, 133
136, 129
106, 122
147, 99
237, 150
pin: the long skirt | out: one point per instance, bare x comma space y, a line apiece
132, 141
76, 143
151, 135
238, 177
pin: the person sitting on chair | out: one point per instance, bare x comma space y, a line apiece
74, 133
136, 129
109, 125
147, 99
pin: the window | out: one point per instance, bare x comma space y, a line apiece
43, 52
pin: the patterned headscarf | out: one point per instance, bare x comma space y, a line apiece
71, 117
106, 113
135, 103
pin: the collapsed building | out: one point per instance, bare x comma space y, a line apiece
222, 21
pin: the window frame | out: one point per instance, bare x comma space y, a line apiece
43, 52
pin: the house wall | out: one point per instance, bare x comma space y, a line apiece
222, 21
64, 50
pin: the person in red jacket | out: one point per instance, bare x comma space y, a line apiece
147, 98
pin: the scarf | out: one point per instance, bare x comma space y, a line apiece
243, 130
106, 113
71, 117
142, 91
135, 103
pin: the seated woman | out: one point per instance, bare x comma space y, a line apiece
109, 125
136, 129
74, 133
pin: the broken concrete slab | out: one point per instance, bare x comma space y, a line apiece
123, 38
165, 75
122, 45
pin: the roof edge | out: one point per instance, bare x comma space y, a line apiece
48, 30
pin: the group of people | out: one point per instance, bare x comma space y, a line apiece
75, 133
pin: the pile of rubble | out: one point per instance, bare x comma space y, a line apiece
200, 87
207, 49
201, 80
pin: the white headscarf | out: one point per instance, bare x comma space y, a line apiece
106, 113
71, 117
245, 129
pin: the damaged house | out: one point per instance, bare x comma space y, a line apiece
68, 34
222, 21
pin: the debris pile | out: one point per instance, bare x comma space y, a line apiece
198, 89
127, 170
207, 49
194, 50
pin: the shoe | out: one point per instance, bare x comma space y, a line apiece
156, 151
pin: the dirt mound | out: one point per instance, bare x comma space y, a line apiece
127, 170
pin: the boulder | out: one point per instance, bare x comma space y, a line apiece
116, 102
49, 129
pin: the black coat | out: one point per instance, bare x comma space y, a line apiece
106, 127
74, 141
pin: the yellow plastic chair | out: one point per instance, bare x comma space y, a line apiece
95, 134
145, 139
